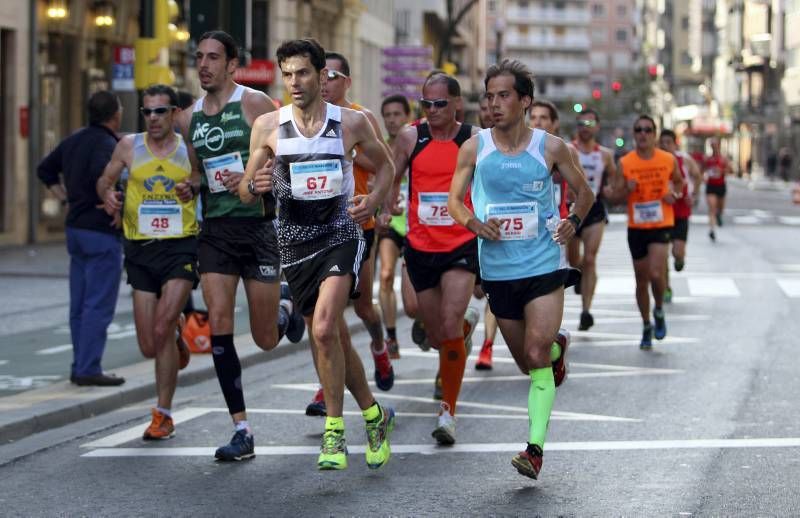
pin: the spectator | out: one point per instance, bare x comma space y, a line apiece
772, 164
93, 238
784, 163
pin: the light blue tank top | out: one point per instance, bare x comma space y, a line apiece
517, 190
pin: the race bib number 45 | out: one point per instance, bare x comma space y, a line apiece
432, 209
649, 212
214, 167
160, 220
517, 220
316, 180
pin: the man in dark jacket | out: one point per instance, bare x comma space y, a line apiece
93, 237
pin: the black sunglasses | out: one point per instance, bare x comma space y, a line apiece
640, 129
161, 110
430, 103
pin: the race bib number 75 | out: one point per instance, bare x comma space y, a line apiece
517, 220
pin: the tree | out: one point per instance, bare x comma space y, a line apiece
445, 42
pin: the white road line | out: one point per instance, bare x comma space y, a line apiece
791, 287
3, 362
431, 449
293, 411
713, 287
789, 220
135, 432
54, 350
746, 220
615, 286
789, 267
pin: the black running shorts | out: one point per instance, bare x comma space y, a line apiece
717, 190
681, 229
597, 214
304, 278
247, 247
425, 269
639, 239
507, 299
149, 264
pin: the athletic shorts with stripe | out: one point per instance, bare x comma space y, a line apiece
425, 269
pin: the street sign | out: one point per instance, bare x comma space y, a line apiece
259, 72
122, 75
405, 69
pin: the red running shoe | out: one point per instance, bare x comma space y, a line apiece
560, 365
484, 362
384, 373
317, 406
528, 464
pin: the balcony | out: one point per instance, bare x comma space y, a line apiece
555, 67
573, 91
515, 40
548, 16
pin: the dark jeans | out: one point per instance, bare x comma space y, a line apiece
95, 269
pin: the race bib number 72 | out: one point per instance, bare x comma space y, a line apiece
432, 209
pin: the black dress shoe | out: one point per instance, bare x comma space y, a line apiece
99, 380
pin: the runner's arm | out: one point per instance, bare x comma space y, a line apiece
361, 159
558, 152
190, 187
401, 153
610, 172
259, 166
256, 104
694, 174
376, 152
465, 168
120, 158
676, 179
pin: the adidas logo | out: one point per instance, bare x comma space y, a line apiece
331, 133
159, 169
423, 140
335, 268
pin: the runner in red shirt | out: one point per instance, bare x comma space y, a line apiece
715, 168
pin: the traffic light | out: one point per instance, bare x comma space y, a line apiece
152, 49
577, 107
616, 86
619, 141
597, 94
652, 71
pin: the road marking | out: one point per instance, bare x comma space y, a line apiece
746, 220
54, 350
25, 382
713, 287
791, 287
789, 220
615, 285
432, 449
135, 432
3, 362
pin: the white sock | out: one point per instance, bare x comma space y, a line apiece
244, 425
164, 411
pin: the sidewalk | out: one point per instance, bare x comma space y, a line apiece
35, 290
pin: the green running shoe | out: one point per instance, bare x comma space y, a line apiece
378, 432
333, 452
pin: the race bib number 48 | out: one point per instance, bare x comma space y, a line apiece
316, 180
214, 167
649, 212
432, 209
160, 220
517, 220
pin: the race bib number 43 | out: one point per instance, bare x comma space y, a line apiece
316, 180
214, 167
517, 220
649, 212
432, 209
160, 220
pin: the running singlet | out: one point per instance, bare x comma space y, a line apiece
646, 208
361, 176
430, 172
593, 166
681, 207
518, 191
560, 188
714, 168
152, 208
314, 183
222, 142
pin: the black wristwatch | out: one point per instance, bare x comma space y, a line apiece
575, 219
251, 187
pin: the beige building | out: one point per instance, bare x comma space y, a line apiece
615, 46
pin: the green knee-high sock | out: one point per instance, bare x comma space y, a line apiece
555, 352
540, 402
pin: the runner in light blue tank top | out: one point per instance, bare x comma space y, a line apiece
517, 190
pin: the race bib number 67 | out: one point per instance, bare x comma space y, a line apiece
316, 180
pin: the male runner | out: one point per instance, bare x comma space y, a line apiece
651, 181
715, 168
521, 237
160, 240
441, 257
396, 113
237, 241
683, 205
321, 244
597, 163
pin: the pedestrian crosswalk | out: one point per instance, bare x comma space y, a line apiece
719, 286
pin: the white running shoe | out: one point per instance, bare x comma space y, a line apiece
445, 432
471, 317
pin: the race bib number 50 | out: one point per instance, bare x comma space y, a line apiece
517, 220
214, 167
432, 209
316, 180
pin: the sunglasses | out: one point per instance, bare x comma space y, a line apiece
161, 110
641, 129
333, 74
587, 123
427, 104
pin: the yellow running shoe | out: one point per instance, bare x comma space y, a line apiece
378, 432
333, 452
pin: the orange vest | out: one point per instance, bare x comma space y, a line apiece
361, 177
646, 208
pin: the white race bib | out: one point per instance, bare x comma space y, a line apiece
593, 180
214, 167
432, 209
316, 180
517, 220
157, 220
648, 212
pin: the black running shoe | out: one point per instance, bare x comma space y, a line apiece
647, 338
660, 330
679, 264
241, 447
587, 321
297, 324
712, 235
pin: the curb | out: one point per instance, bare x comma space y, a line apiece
62, 403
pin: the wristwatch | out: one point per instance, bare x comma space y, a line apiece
574, 219
251, 187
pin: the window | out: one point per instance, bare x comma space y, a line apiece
492, 6
686, 58
685, 23
558, 81
622, 35
599, 60
260, 32
523, 4
559, 31
622, 10
599, 35
522, 30
598, 10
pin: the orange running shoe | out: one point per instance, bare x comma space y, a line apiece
160, 428
484, 362
183, 350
